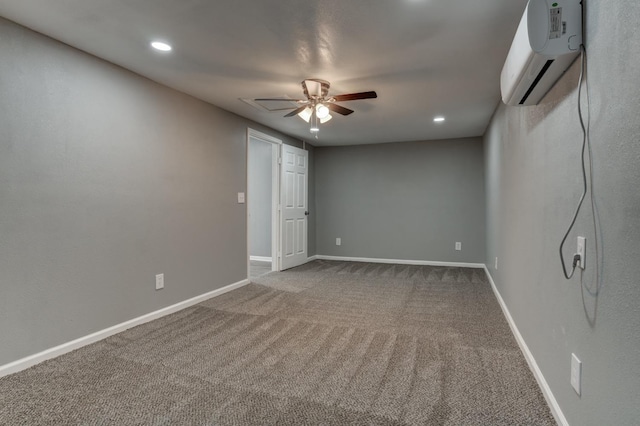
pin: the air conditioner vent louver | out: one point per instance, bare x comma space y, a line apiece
537, 80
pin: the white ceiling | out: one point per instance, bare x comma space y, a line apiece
423, 57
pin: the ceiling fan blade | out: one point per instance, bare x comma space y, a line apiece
296, 111
339, 109
279, 99
355, 96
281, 109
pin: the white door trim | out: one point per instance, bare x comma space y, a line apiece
276, 150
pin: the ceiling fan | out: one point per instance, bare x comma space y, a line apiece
318, 105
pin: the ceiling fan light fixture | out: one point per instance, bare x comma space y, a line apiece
322, 111
305, 114
324, 120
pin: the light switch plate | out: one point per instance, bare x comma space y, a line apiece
159, 281
240, 197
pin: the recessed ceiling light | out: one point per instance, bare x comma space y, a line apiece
163, 47
438, 119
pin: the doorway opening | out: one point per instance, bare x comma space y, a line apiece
263, 194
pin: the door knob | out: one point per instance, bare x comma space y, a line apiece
306, 213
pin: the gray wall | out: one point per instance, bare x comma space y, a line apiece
533, 184
259, 197
106, 179
410, 200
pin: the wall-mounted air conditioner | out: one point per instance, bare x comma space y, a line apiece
547, 41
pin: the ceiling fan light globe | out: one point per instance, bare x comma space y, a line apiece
322, 111
324, 120
305, 114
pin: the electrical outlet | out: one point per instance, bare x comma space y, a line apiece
496, 264
159, 281
241, 198
338, 241
576, 374
458, 246
582, 243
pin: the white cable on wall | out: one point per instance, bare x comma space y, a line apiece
587, 184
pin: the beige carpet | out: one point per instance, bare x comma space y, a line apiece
328, 343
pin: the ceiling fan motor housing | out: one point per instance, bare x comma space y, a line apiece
315, 88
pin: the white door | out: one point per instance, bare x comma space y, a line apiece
294, 203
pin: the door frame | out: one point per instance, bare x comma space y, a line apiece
276, 154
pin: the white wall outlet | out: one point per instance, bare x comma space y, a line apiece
458, 246
582, 243
240, 197
496, 264
159, 281
576, 374
338, 241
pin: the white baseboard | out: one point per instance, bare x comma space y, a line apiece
312, 258
24, 363
261, 258
533, 365
399, 261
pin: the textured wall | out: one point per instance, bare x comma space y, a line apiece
259, 197
533, 184
410, 200
107, 179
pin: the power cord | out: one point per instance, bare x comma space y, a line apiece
586, 144
594, 210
